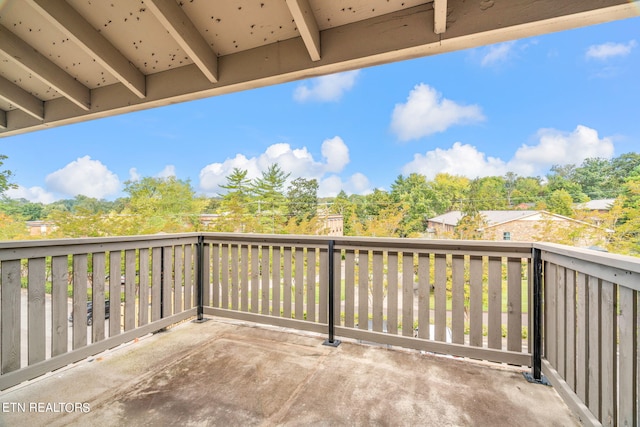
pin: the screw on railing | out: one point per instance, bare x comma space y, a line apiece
536, 354
331, 341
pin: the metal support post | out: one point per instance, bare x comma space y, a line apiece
200, 280
331, 341
536, 354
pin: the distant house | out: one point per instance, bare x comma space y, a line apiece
602, 205
524, 226
40, 228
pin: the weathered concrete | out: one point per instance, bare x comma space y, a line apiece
226, 373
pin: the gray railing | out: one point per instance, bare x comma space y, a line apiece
463, 298
591, 332
64, 300
458, 298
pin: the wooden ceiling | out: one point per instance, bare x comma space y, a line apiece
66, 61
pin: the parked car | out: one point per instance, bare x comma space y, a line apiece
90, 312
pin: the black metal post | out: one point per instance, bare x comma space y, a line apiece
536, 354
162, 282
200, 280
331, 341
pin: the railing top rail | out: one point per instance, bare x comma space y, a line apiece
21, 249
621, 269
381, 243
623, 262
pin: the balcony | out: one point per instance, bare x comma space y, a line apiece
494, 309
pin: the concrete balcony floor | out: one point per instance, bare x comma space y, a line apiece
227, 373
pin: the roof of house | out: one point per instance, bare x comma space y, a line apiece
597, 205
492, 217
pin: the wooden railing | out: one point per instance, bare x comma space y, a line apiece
452, 297
45, 286
463, 298
591, 332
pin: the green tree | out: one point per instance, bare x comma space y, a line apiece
562, 178
488, 193
234, 207
527, 190
22, 208
5, 176
161, 205
302, 199
626, 238
344, 206
268, 191
416, 198
560, 202
12, 228
448, 192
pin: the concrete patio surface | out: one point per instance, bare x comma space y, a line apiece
229, 373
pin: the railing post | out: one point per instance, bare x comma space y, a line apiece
200, 280
536, 354
331, 341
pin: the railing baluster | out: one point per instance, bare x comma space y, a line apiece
129, 289
287, 286
407, 294
311, 284
275, 282
377, 291
593, 349
457, 299
323, 285
349, 288
424, 293
36, 310
11, 307
475, 301
494, 303
363, 289
392, 293
628, 387
609, 347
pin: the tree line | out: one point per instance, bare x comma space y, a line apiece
275, 202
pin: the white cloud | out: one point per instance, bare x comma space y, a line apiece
460, 159
355, 184
299, 162
84, 176
607, 50
168, 171
134, 175
33, 194
557, 147
553, 147
498, 53
426, 112
326, 88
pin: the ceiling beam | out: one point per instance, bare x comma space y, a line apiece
22, 99
180, 27
70, 22
33, 62
439, 16
307, 26
407, 35
3, 119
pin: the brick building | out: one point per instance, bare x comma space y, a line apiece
524, 226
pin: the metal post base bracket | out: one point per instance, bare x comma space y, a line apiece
333, 343
204, 319
529, 377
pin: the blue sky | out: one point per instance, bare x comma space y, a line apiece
520, 106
